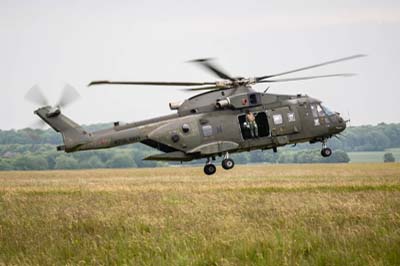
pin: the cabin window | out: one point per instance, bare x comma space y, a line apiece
314, 110
277, 119
291, 117
316, 122
207, 130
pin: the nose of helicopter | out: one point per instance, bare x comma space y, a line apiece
340, 124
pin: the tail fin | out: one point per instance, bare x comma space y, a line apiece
73, 134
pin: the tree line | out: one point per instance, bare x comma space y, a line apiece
34, 149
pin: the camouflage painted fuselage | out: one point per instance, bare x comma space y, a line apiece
211, 124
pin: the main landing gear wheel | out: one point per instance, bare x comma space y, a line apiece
326, 152
210, 169
228, 164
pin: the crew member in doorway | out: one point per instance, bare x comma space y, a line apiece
251, 122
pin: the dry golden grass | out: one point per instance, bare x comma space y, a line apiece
252, 215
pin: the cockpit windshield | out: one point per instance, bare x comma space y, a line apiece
327, 111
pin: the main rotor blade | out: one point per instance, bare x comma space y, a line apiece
313, 66
202, 88
68, 96
36, 96
305, 78
152, 83
206, 63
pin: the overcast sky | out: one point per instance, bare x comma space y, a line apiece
51, 43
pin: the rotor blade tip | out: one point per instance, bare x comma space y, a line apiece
201, 60
36, 96
98, 82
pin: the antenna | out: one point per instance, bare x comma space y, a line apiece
348, 118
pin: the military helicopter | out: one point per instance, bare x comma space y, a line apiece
229, 117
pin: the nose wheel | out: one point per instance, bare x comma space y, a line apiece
325, 152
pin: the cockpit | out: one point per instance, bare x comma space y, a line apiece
323, 116
319, 110
327, 111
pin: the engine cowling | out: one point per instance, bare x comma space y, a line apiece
223, 103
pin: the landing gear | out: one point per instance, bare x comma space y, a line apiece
209, 168
325, 152
227, 163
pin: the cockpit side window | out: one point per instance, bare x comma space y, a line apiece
291, 117
314, 110
327, 111
321, 112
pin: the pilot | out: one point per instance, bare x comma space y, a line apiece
251, 122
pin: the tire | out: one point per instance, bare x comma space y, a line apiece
228, 164
326, 152
210, 169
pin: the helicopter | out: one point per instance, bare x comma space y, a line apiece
227, 117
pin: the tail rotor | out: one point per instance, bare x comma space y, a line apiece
36, 96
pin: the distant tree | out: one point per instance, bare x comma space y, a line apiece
4, 165
92, 163
380, 140
256, 157
161, 164
31, 162
66, 162
306, 156
338, 156
388, 157
312, 156
241, 158
138, 156
106, 155
121, 161
285, 157
270, 156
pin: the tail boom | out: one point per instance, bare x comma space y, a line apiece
77, 139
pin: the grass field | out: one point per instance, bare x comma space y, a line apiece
252, 215
372, 156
